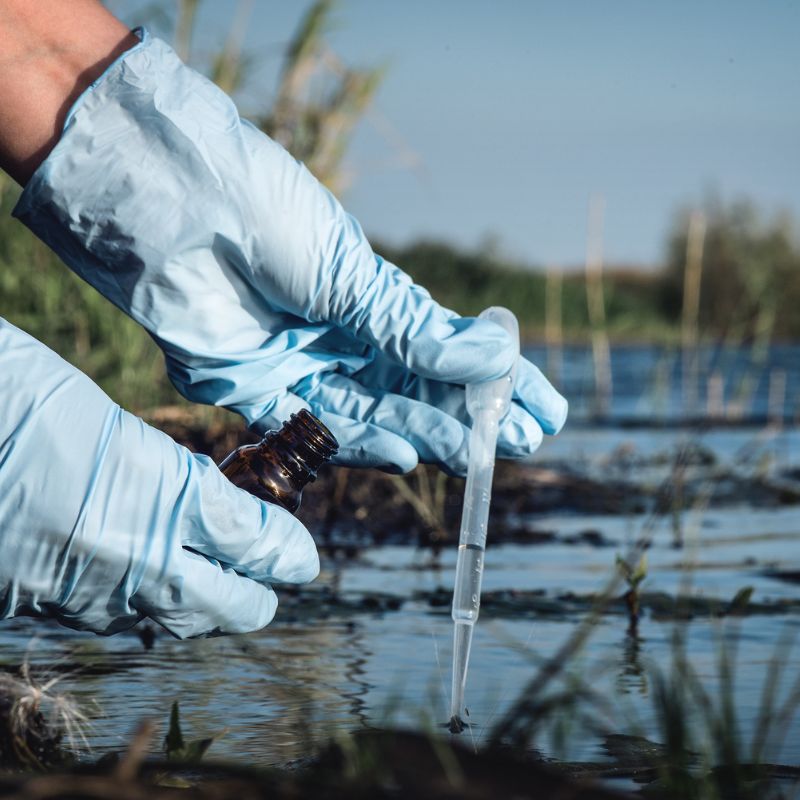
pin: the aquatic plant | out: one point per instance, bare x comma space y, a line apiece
697, 751
634, 576
176, 748
706, 755
425, 490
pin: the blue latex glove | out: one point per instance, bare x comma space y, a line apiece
97, 510
264, 295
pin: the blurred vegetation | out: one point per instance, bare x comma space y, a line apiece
318, 99
469, 281
751, 273
45, 299
750, 283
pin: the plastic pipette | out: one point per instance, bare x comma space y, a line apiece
487, 404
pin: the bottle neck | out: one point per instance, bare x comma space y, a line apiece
302, 445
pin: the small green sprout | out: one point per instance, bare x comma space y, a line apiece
741, 600
633, 576
175, 748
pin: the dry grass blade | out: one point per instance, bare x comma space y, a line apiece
131, 762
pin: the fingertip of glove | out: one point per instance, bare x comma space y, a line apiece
392, 463
260, 605
540, 398
240, 605
257, 607
264, 606
363, 444
557, 417
520, 434
298, 561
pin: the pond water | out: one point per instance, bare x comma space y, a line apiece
268, 695
648, 382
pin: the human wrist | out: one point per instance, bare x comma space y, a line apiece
50, 52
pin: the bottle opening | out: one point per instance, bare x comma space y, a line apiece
304, 444
316, 433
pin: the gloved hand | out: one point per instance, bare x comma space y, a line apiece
263, 294
97, 510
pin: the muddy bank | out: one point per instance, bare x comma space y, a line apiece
660, 606
347, 510
392, 764
372, 764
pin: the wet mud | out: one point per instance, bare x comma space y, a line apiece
349, 510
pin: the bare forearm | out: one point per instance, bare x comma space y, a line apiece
50, 51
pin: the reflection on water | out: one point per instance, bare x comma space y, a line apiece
270, 695
632, 676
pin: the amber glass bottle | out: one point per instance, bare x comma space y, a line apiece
283, 462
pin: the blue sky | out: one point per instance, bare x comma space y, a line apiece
514, 113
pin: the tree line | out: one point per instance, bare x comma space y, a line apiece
749, 282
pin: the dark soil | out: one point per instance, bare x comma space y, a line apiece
347, 510
371, 764
659, 606
395, 764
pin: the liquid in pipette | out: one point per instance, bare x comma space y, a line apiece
466, 605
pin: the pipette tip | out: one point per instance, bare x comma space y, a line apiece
456, 724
